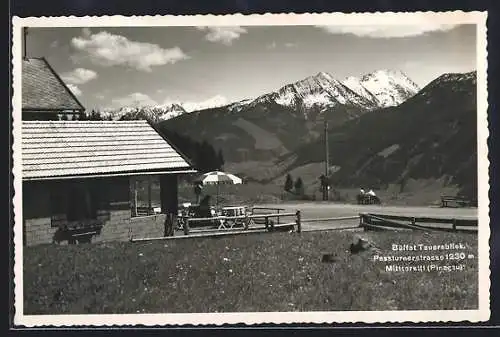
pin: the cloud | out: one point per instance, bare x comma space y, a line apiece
136, 99
212, 102
99, 96
224, 35
412, 64
273, 45
79, 76
86, 32
54, 44
388, 31
74, 89
108, 49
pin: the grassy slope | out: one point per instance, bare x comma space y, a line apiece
272, 272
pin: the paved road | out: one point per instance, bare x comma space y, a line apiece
329, 210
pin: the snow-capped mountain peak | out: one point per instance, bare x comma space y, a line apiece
156, 113
320, 91
382, 88
159, 112
390, 87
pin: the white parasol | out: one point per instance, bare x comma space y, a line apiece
218, 178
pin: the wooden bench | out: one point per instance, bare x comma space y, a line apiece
458, 201
82, 231
147, 211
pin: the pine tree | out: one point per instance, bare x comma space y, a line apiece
205, 157
299, 186
212, 158
95, 116
288, 183
220, 160
201, 153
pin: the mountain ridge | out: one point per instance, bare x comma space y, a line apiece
316, 92
294, 114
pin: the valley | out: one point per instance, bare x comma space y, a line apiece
384, 133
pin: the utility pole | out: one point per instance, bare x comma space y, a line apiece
25, 33
327, 164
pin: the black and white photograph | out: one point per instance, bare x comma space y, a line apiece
283, 168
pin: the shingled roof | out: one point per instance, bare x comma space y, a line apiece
59, 149
43, 89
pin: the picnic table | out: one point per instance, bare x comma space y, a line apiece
226, 217
233, 211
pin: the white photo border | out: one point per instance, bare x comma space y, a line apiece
250, 318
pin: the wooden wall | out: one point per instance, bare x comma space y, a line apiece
169, 193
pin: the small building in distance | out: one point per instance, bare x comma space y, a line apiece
90, 181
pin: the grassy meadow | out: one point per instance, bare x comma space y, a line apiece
254, 272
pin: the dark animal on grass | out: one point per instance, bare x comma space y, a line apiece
60, 235
360, 246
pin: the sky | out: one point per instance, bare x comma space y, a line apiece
123, 66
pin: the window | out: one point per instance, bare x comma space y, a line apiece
145, 195
78, 200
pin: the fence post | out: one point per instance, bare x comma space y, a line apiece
168, 224
454, 224
413, 221
278, 217
363, 221
186, 227
299, 224
269, 224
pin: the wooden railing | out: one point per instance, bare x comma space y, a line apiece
351, 217
370, 221
271, 209
446, 200
245, 222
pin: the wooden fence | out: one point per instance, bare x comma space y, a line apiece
370, 221
256, 210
